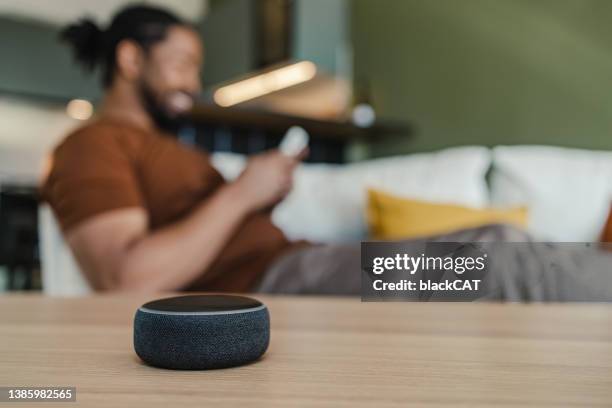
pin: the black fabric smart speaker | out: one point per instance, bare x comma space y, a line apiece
200, 332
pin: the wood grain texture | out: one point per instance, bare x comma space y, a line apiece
324, 352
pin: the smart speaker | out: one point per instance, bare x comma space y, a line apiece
200, 332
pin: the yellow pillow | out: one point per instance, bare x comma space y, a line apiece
391, 217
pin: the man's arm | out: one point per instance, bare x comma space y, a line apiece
118, 252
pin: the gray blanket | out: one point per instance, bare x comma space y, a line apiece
520, 269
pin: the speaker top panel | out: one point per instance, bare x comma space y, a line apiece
202, 304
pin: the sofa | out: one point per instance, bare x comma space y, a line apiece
567, 193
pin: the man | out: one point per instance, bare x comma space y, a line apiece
140, 211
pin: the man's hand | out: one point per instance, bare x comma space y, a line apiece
267, 179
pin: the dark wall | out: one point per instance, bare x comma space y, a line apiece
32, 61
227, 31
489, 71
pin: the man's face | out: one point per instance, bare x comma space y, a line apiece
170, 78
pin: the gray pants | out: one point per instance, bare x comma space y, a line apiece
525, 271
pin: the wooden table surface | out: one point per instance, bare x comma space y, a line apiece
324, 352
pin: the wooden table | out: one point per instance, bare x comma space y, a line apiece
324, 352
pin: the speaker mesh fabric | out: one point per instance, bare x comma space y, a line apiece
201, 341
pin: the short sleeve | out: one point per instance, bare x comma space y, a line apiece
93, 171
606, 235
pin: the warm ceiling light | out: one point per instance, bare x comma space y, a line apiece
264, 84
79, 109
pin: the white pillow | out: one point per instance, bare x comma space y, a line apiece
230, 165
328, 201
568, 191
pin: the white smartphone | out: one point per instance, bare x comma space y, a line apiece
295, 140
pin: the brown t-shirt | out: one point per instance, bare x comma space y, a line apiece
108, 165
606, 234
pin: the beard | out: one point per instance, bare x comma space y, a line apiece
165, 120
